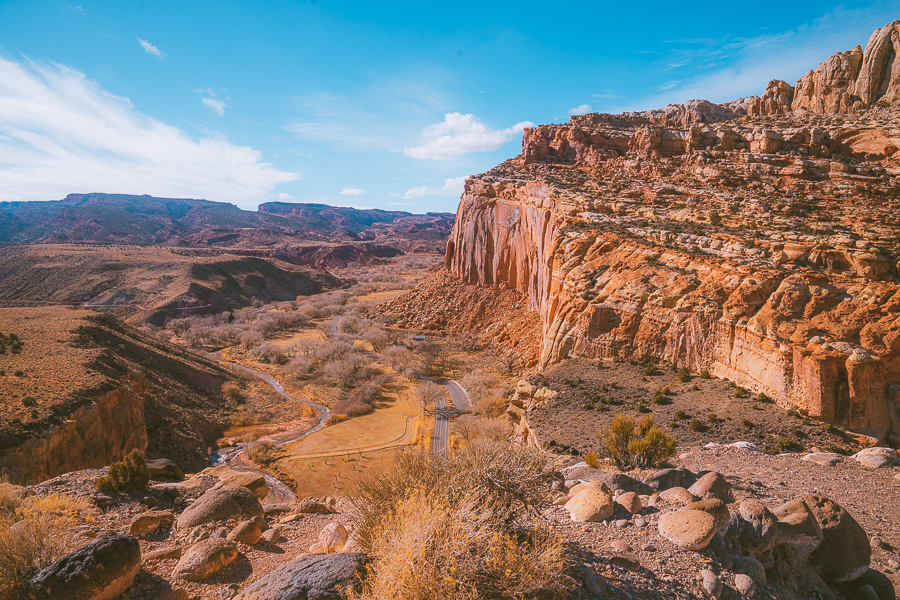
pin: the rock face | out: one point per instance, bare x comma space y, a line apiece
844, 553
309, 577
689, 529
101, 570
751, 240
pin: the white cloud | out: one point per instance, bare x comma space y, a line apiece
460, 134
582, 109
349, 191
62, 133
151, 49
452, 187
283, 196
217, 106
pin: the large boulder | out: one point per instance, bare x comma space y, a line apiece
797, 527
717, 509
844, 553
309, 577
101, 570
669, 478
875, 457
690, 529
676, 495
626, 483
758, 527
150, 521
219, 504
247, 532
205, 558
590, 505
712, 485
163, 468
331, 539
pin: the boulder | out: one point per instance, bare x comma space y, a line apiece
797, 526
712, 485
825, 459
669, 478
590, 505
595, 485
219, 504
711, 583
750, 566
247, 532
875, 457
630, 502
581, 472
252, 480
690, 529
101, 570
272, 535
758, 527
331, 539
744, 585
717, 509
165, 553
844, 553
626, 483
312, 506
677, 495
204, 559
163, 468
148, 522
309, 577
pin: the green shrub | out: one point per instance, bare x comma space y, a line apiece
788, 445
704, 374
681, 415
650, 370
683, 375
660, 399
712, 418
129, 475
641, 445
761, 397
739, 392
746, 424
643, 408
697, 426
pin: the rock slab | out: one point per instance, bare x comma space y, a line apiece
309, 577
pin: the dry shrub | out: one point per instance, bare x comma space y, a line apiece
463, 527
336, 418
474, 427
33, 534
592, 459
128, 475
232, 391
643, 445
265, 454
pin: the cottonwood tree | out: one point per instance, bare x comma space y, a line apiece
427, 392
508, 360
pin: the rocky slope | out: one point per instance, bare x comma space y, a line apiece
756, 239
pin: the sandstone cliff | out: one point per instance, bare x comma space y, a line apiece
748, 239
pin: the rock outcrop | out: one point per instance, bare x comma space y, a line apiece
756, 240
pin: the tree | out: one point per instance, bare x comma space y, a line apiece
427, 392
509, 360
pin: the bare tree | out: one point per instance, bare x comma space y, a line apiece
509, 360
427, 392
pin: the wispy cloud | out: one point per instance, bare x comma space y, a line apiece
283, 196
350, 191
217, 106
63, 133
151, 49
75, 8
460, 134
452, 187
582, 109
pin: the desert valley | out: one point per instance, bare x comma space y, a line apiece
655, 355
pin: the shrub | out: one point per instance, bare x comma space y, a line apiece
232, 391
681, 415
29, 401
19, 374
712, 418
697, 426
265, 454
641, 445
650, 370
683, 375
659, 398
642, 408
463, 527
739, 392
788, 445
128, 475
592, 459
704, 374
761, 397
746, 424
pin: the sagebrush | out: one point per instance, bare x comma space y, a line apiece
632, 445
128, 475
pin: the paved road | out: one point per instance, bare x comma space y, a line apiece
440, 442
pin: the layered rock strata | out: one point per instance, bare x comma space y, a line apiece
756, 240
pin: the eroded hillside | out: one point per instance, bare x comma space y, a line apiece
757, 239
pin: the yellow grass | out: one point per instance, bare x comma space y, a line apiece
335, 475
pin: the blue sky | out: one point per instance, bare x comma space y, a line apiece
372, 104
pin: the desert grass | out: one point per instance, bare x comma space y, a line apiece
463, 527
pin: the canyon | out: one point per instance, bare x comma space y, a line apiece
755, 240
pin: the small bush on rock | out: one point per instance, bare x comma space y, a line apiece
129, 475
642, 445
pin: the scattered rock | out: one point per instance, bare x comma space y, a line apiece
100, 570
844, 553
717, 509
711, 583
630, 501
101, 501
271, 535
311, 506
712, 485
163, 468
166, 553
744, 585
247, 532
593, 485
750, 566
875, 457
670, 478
331, 539
590, 505
626, 483
309, 577
273, 510
149, 501
677, 495
758, 527
690, 529
252, 480
148, 522
219, 504
204, 559
826, 459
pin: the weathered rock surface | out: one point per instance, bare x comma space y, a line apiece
844, 553
309, 577
689, 529
205, 558
101, 570
590, 505
163, 468
219, 504
148, 522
